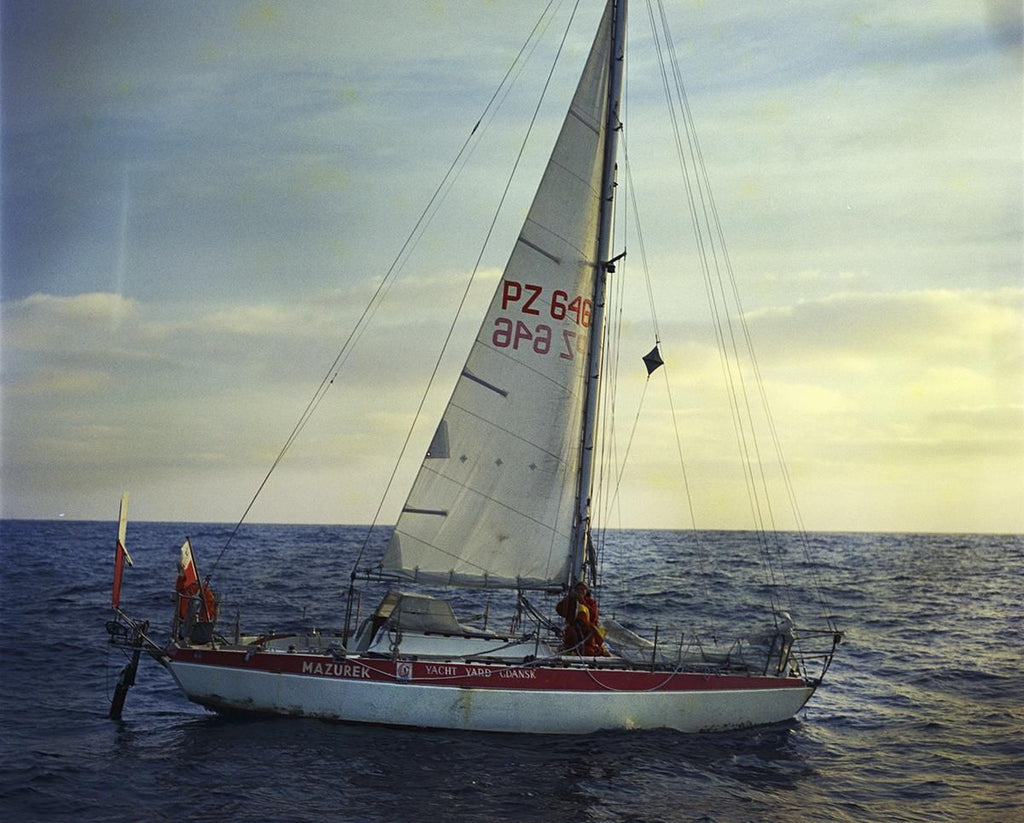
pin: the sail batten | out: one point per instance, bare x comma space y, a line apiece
481, 382
435, 512
507, 474
539, 250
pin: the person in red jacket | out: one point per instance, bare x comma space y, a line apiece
582, 634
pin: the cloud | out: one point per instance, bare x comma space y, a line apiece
910, 392
981, 327
198, 203
63, 381
935, 366
97, 384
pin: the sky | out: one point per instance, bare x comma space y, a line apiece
198, 199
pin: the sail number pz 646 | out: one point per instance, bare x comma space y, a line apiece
532, 299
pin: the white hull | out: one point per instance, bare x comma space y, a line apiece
349, 694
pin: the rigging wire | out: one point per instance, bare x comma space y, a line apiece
703, 218
476, 266
711, 238
698, 542
637, 226
397, 264
609, 442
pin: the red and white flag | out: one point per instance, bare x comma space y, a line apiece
120, 552
187, 565
188, 585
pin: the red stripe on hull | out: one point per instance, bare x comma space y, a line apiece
479, 675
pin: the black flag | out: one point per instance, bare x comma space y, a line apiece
653, 361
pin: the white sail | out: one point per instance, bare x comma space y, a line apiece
493, 503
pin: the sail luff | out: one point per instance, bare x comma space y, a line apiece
590, 412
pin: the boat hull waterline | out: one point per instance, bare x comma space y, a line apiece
481, 697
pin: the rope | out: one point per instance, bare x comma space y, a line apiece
397, 264
473, 273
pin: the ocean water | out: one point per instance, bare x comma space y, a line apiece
920, 718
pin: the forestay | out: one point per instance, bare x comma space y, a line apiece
493, 503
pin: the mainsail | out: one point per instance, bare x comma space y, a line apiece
493, 503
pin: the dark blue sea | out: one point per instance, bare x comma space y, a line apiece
920, 718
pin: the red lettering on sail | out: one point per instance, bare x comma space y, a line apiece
568, 341
511, 291
535, 292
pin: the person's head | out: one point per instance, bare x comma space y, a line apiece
581, 589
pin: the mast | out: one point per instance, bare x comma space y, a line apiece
604, 267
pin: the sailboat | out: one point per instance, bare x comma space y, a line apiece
503, 502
